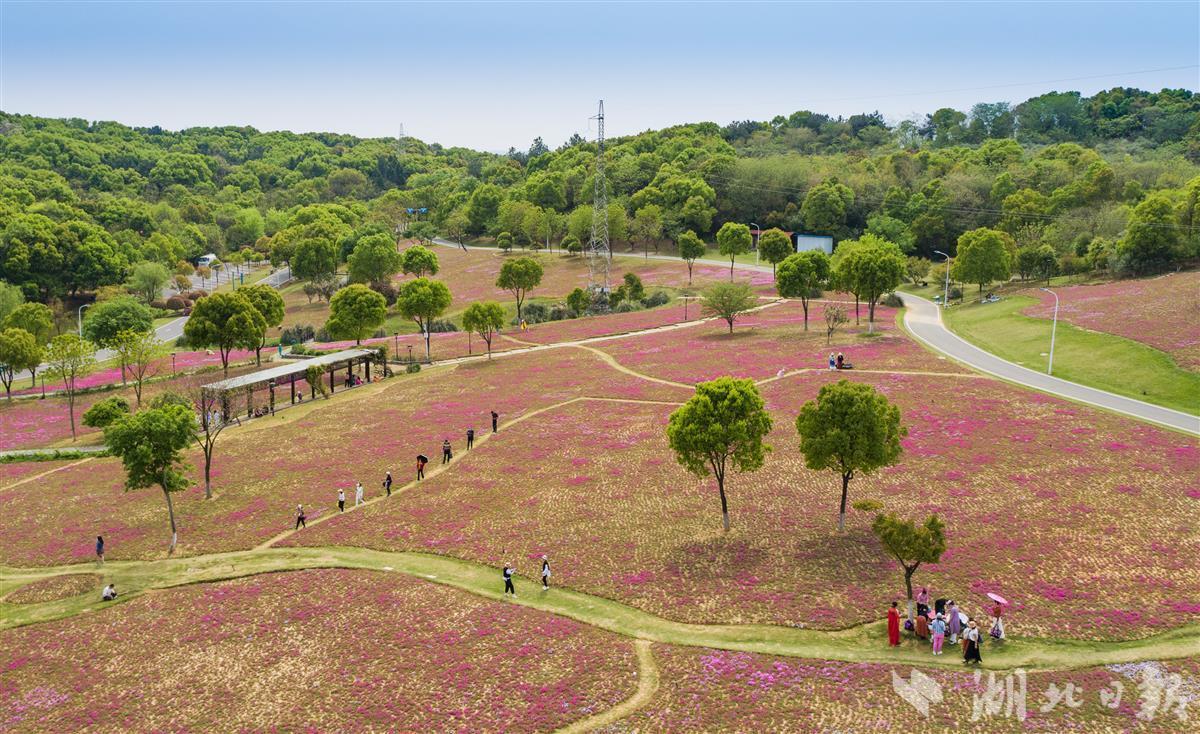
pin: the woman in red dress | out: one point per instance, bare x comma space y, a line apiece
893, 626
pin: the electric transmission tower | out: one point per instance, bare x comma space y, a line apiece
599, 251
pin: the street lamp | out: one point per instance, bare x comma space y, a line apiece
172, 364
1053, 328
946, 292
752, 224
79, 317
396, 344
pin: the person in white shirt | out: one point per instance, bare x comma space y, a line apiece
341, 500
109, 593
358, 494
545, 573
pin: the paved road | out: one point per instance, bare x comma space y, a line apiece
924, 319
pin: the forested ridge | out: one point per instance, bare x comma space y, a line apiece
1103, 182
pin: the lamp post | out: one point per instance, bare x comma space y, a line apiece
752, 224
172, 364
396, 344
946, 292
1053, 329
79, 317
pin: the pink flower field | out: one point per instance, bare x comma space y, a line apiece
1045, 503
302, 455
111, 376
769, 340
1163, 312
721, 691
327, 650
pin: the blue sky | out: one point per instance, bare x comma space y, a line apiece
491, 75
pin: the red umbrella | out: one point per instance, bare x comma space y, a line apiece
997, 598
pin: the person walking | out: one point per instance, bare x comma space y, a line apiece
358, 494
893, 626
972, 644
470, 438
300, 517
495, 420
939, 634
100, 549
545, 573
446, 452
341, 500
422, 460
508, 582
387, 483
953, 623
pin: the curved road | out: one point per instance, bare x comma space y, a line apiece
923, 319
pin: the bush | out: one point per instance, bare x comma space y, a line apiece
559, 312
158, 304
387, 290
297, 334
440, 326
1072, 264
182, 342
412, 368
655, 299
322, 335
956, 293
105, 412
579, 301
892, 300
196, 294
177, 303
627, 306
535, 313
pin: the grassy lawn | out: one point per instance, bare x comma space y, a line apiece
1090, 358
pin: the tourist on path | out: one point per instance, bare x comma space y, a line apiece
422, 460
358, 494
972, 638
300, 517
470, 438
954, 624
893, 625
495, 418
939, 634
446, 452
341, 500
545, 573
100, 548
387, 483
508, 583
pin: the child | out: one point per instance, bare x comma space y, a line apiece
508, 582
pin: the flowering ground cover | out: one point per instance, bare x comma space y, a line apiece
715, 690
1163, 312
327, 650
17, 471
111, 376
1045, 502
770, 340
35, 423
447, 345
302, 455
55, 587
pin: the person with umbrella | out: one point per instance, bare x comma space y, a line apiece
422, 460
998, 605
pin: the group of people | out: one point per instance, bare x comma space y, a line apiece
946, 617
839, 362
508, 571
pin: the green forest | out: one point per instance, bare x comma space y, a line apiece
1071, 183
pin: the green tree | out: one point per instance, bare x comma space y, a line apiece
419, 261
982, 257
226, 321
483, 207
728, 301
691, 248
36, 319
571, 244
375, 259
579, 301
269, 304
70, 358
774, 245
484, 318
835, 316
19, 351
1152, 238
910, 545
874, 267
314, 258
852, 429
519, 277
422, 232
826, 207
456, 226
800, 274
719, 428
10, 297
423, 300
355, 312
107, 319
146, 280
139, 353
647, 226
733, 239
150, 445
504, 241
106, 411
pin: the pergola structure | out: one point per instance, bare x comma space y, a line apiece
221, 391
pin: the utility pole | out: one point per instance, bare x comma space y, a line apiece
599, 248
